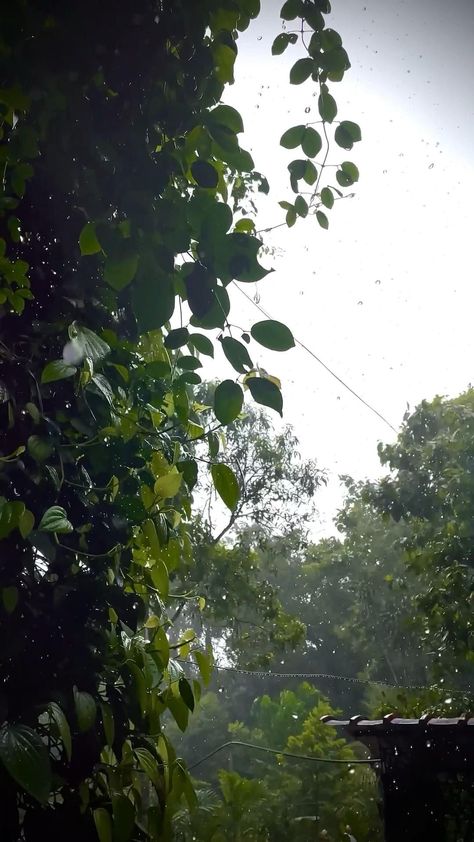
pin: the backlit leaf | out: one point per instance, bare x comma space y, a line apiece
226, 485
228, 400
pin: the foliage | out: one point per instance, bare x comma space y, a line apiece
431, 489
275, 797
123, 176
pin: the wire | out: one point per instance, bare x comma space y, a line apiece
324, 365
268, 750
331, 676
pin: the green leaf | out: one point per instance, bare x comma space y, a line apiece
101, 386
226, 485
204, 174
189, 470
86, 709
202, 344
120, 271
350, 170
311, 142
322, 219
272, 334
55, 520
149, 764
281, 42
186, 693
88, 242
88, 345
108, 723
228, 400
58, 717
57, 370
177, 338
327, 197
291, 9
330, 39
179, 710
266, 393
301, 70
204, 662
10, 598
343, 179
26, 759
188, 363
103, 824
301, 206
292, 137
153, 299
237, 354
327, 106
201, 289
40, 448
290, 216
347, 134
168, 485
224, 60
227, 116
124, 817
336, 62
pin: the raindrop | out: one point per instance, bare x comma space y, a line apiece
307, 109
431, 166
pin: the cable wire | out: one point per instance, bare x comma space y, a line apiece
331, 676
324, 365
268, 750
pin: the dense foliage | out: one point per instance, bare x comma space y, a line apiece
124, 187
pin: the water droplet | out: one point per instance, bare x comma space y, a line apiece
307, 109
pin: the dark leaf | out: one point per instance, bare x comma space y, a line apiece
176, 338
237, 354
311, 142
266, 393
228, 400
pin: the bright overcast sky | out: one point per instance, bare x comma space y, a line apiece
385, 297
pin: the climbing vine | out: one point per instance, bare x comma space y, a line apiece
122, 172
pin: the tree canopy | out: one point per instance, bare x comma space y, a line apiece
122, 229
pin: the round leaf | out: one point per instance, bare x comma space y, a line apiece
311, 142
346, 134
228, 400
272, 334
301, 70
226, 485
292, 137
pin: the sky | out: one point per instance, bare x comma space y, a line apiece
385, 297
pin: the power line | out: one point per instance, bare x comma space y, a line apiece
267, 750
303, 676
324, 365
